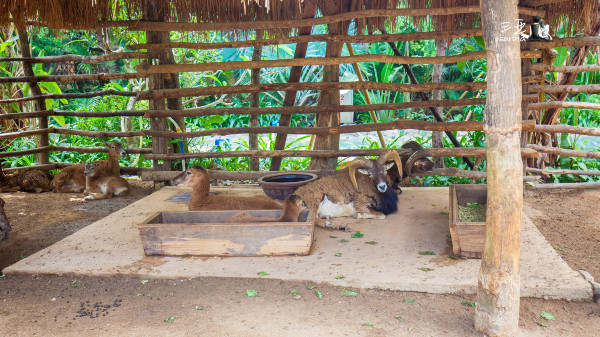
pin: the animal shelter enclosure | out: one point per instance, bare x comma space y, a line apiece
522, 94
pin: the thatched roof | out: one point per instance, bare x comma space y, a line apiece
90, 14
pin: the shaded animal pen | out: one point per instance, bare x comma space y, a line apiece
291, 21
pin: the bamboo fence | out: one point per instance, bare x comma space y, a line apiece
165, 94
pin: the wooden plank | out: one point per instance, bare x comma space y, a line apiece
564, 104
71, 78
570, 89
567, 185
453, 219
327, 61
564, 152
565, 69
472, 235
585, 41
202, 233
77, 58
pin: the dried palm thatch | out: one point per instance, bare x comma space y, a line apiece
91, 14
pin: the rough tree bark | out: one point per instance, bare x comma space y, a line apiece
498, 296
255, 103
437, 137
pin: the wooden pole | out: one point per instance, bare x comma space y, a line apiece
310, 8
43, 141
437, 137
255, 103
498, 295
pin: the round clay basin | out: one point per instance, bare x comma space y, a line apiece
280, 185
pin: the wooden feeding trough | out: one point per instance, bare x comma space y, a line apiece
204, 233
467, 236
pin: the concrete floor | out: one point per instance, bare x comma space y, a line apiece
112, 246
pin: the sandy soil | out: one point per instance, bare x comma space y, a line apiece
64, 305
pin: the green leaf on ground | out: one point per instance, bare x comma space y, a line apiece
251, 293
340, 277
372, 243
170, 319
337, 254
310, 287
469, 303
400, 318
333, 236
144, 281
367, 324
358, 235
74, 284
294, 292
541, 324
342, 241
319, 294
261, 273
408, 301
562, 250
199, 308
348, 293
547, 316
425, 269
428, 252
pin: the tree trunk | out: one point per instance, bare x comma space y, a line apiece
255, 103
498, 295
437, 137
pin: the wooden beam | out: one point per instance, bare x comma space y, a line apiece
27, 133
326, 61
97, 134
289, 110
570, 89
498, 295
377, 38
567, 185
71, 78
537, 3
26, 115
564, 152
336, 130
585, 41
565, 69
38, 150
347, 16
41, 96
475, 152
554, 171
80, 149
564, 104
77, 58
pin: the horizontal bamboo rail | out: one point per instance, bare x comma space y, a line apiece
98, 134
546, 171
441, 152
563, 152
571, 89
26, 133
528, 125
591, 41
26, 115
80, 149
564, 69
578, 130
252, 25
383, 38
79, 58
567, 185
213, 66
563, 104
69, 96
71, 78
249, 175
25, 152
240, 89
125, 170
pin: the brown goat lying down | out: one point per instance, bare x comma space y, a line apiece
26, 180
197, 178
292, 207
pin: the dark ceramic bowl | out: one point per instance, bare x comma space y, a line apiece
280, 185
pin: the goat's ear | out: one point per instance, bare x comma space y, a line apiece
363, 171
389, 165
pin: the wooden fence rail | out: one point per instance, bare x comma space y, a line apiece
79, 58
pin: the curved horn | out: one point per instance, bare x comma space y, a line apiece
416, 155
356, 164
391, 154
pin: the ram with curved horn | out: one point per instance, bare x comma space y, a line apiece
366, 195
417, 162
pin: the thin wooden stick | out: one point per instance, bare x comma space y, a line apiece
563, 152
442, 152
71, 78
80, 149
571, 89
69, 96
78, 58
586, 41
27, 133
99, 134
42, 149
379, 38
565, 69
564, 104
566, 185
213, 66
548, 171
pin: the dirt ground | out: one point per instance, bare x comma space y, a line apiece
65, 305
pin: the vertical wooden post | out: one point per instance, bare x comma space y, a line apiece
310, 8
156, 81
437, 137
40, 104
498, 295
255, 103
